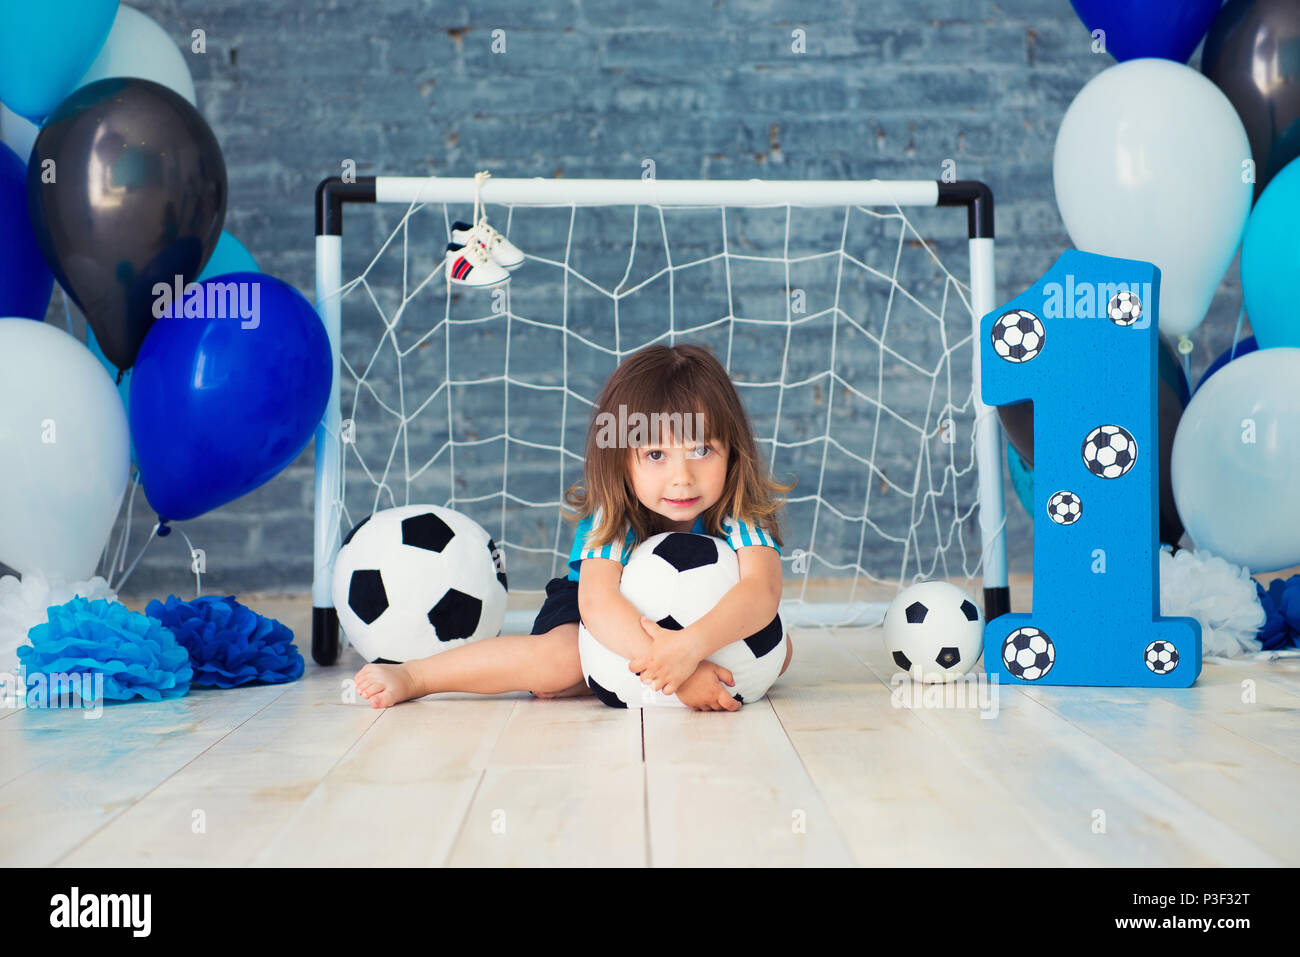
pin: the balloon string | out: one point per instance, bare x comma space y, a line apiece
119, 553
198, 584
1236, 336
158, 532
67, 310
122, 581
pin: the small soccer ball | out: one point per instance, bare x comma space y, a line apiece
934, 631
1028, 653
1064, 508
675, 579
1124, 309
1018, 336
1109, 451
1161, 657
412, 581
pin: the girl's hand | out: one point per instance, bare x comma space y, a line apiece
670, 662
705, 689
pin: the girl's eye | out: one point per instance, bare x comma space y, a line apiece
700, 451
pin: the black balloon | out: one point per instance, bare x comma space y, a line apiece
138, 197
1252, 53
1171, 399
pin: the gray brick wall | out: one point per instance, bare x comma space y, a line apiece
588, 88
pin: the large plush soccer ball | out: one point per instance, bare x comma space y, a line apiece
1018, 335
412, 581
675, 579
934, 631
1109, 451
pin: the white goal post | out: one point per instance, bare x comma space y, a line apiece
723, 203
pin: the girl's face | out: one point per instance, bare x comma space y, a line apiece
678, 482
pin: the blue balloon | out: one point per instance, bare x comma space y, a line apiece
1242, 348
46, 47
229, 256
25, 280
1270, 257
1141, 28
229, 385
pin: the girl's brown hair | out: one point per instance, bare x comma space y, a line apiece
681, 380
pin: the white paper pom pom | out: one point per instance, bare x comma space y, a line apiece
24, 603
1218, 594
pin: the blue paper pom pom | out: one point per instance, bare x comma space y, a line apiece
229, 643
136, 655
1282, 613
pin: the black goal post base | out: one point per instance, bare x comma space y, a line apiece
324, 635
997, 601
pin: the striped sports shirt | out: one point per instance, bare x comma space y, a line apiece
738, 535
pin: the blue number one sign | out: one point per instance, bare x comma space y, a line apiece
1081, 344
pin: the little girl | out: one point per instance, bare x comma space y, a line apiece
700, 473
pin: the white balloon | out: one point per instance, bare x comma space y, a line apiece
1235, 460
1149, 165
139, 47
17, 132
65, 452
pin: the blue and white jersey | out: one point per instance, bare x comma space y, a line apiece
738, 535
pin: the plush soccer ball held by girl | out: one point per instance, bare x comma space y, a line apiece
675, 579
412, 581
934, 631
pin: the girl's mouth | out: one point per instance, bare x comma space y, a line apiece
682, 502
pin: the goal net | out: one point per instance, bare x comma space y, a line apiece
843, 311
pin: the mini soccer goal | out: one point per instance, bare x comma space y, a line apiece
845, 313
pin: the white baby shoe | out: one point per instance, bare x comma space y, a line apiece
469, 265
501, 250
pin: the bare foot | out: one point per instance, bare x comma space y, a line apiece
573, 691
385, 685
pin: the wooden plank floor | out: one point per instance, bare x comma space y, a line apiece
830, 769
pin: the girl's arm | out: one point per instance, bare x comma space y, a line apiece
608, 615
748, 607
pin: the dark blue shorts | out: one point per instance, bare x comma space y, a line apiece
560, 607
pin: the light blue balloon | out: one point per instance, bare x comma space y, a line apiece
1235, 461
1270, 261
230, 256
45, 48
139, 47
1148, 166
